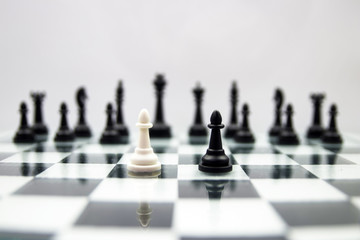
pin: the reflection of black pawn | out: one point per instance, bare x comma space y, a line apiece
40, 129
215, 160
25, 169
288, 135
233, 127
82, 129
244, 134
160, 128
215, 188
24, 134
277, 127
198, 129
110, 134
64, 133
315, 131
120, 126
82, 158
144, 214
331, 134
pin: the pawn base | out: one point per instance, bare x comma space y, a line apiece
110, 137
64, 136
231, 130
244, 137
122, 130
215, 161
160, 130
198, 130
288, 138
275, 131
144, 168
82, 131
24, 136
40, 129
331, 138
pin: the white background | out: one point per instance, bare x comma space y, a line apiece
301, 46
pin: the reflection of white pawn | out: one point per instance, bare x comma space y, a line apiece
144, 158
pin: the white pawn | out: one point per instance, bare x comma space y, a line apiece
144, 159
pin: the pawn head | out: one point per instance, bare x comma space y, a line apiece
63, 107
289, 109
333, 109
23, 107
109, 108
144, 116
215, 118
245, 108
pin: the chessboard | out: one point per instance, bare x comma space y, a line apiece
82, 190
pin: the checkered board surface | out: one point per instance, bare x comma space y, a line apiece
273, 192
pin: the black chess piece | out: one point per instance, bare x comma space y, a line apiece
316, 130
215, 188
24, 134
82, 130
244, 134
120, 125
198, 129
277, 127
39, 127
331, 135
110, 134
160, 128
232, 128
288, 135
215, 159
64, 133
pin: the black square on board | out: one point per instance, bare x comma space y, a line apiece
58, 187
319, 159
276, 171
350, 187
93, 158
22, 169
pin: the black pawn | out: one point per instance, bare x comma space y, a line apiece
316, 130
277, 127
215, 159
288, 135
24, 134
244, 134
110, 134
232, 128
64, 133
39, 128
120, 126
82, 129
198, 129
331, 134
160, 128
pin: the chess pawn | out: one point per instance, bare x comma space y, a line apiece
144, 159
82, 129
64, 133
215, 159
288, 135
316, 130
24, 134
244, 134
110, 135
331, 134
277, 127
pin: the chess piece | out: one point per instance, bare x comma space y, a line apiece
64, 133
288, 135
144, 214
331, 134
316, 130
110, 135
233, 127
160, 129
144, 159
82, 129
120, 126
215, 160
24, 134
39, 128
198, 129
277, 127
244, 134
